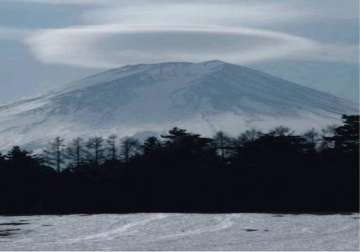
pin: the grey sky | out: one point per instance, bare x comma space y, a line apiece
46, 43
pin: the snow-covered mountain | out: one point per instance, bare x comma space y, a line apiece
203, 97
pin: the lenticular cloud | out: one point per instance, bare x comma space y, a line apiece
103, 46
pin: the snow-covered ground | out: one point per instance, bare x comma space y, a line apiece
180, 232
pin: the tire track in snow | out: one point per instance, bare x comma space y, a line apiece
111, 234
224, 223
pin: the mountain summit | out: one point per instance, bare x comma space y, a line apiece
203, 97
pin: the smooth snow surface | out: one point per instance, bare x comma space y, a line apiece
180, 232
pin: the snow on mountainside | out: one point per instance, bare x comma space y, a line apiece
204, 97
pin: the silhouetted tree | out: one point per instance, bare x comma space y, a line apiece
129, 148
17, 154
281, 131
275, 171
111, 147
327, 134
346, 136
95, 150
312, 136
151, 145
313, 140
2, 158
223, 144
22, 161
182, 141
75, 152
54, 156
249, 136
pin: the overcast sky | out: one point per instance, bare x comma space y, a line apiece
47, 43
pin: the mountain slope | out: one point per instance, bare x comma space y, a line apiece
203, 97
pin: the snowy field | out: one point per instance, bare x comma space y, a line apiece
180, 232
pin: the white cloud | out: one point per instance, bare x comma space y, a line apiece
84, 45
121, 32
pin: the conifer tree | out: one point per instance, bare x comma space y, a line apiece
75, 152
55, 154
95, 150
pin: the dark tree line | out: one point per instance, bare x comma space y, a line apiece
276, 171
